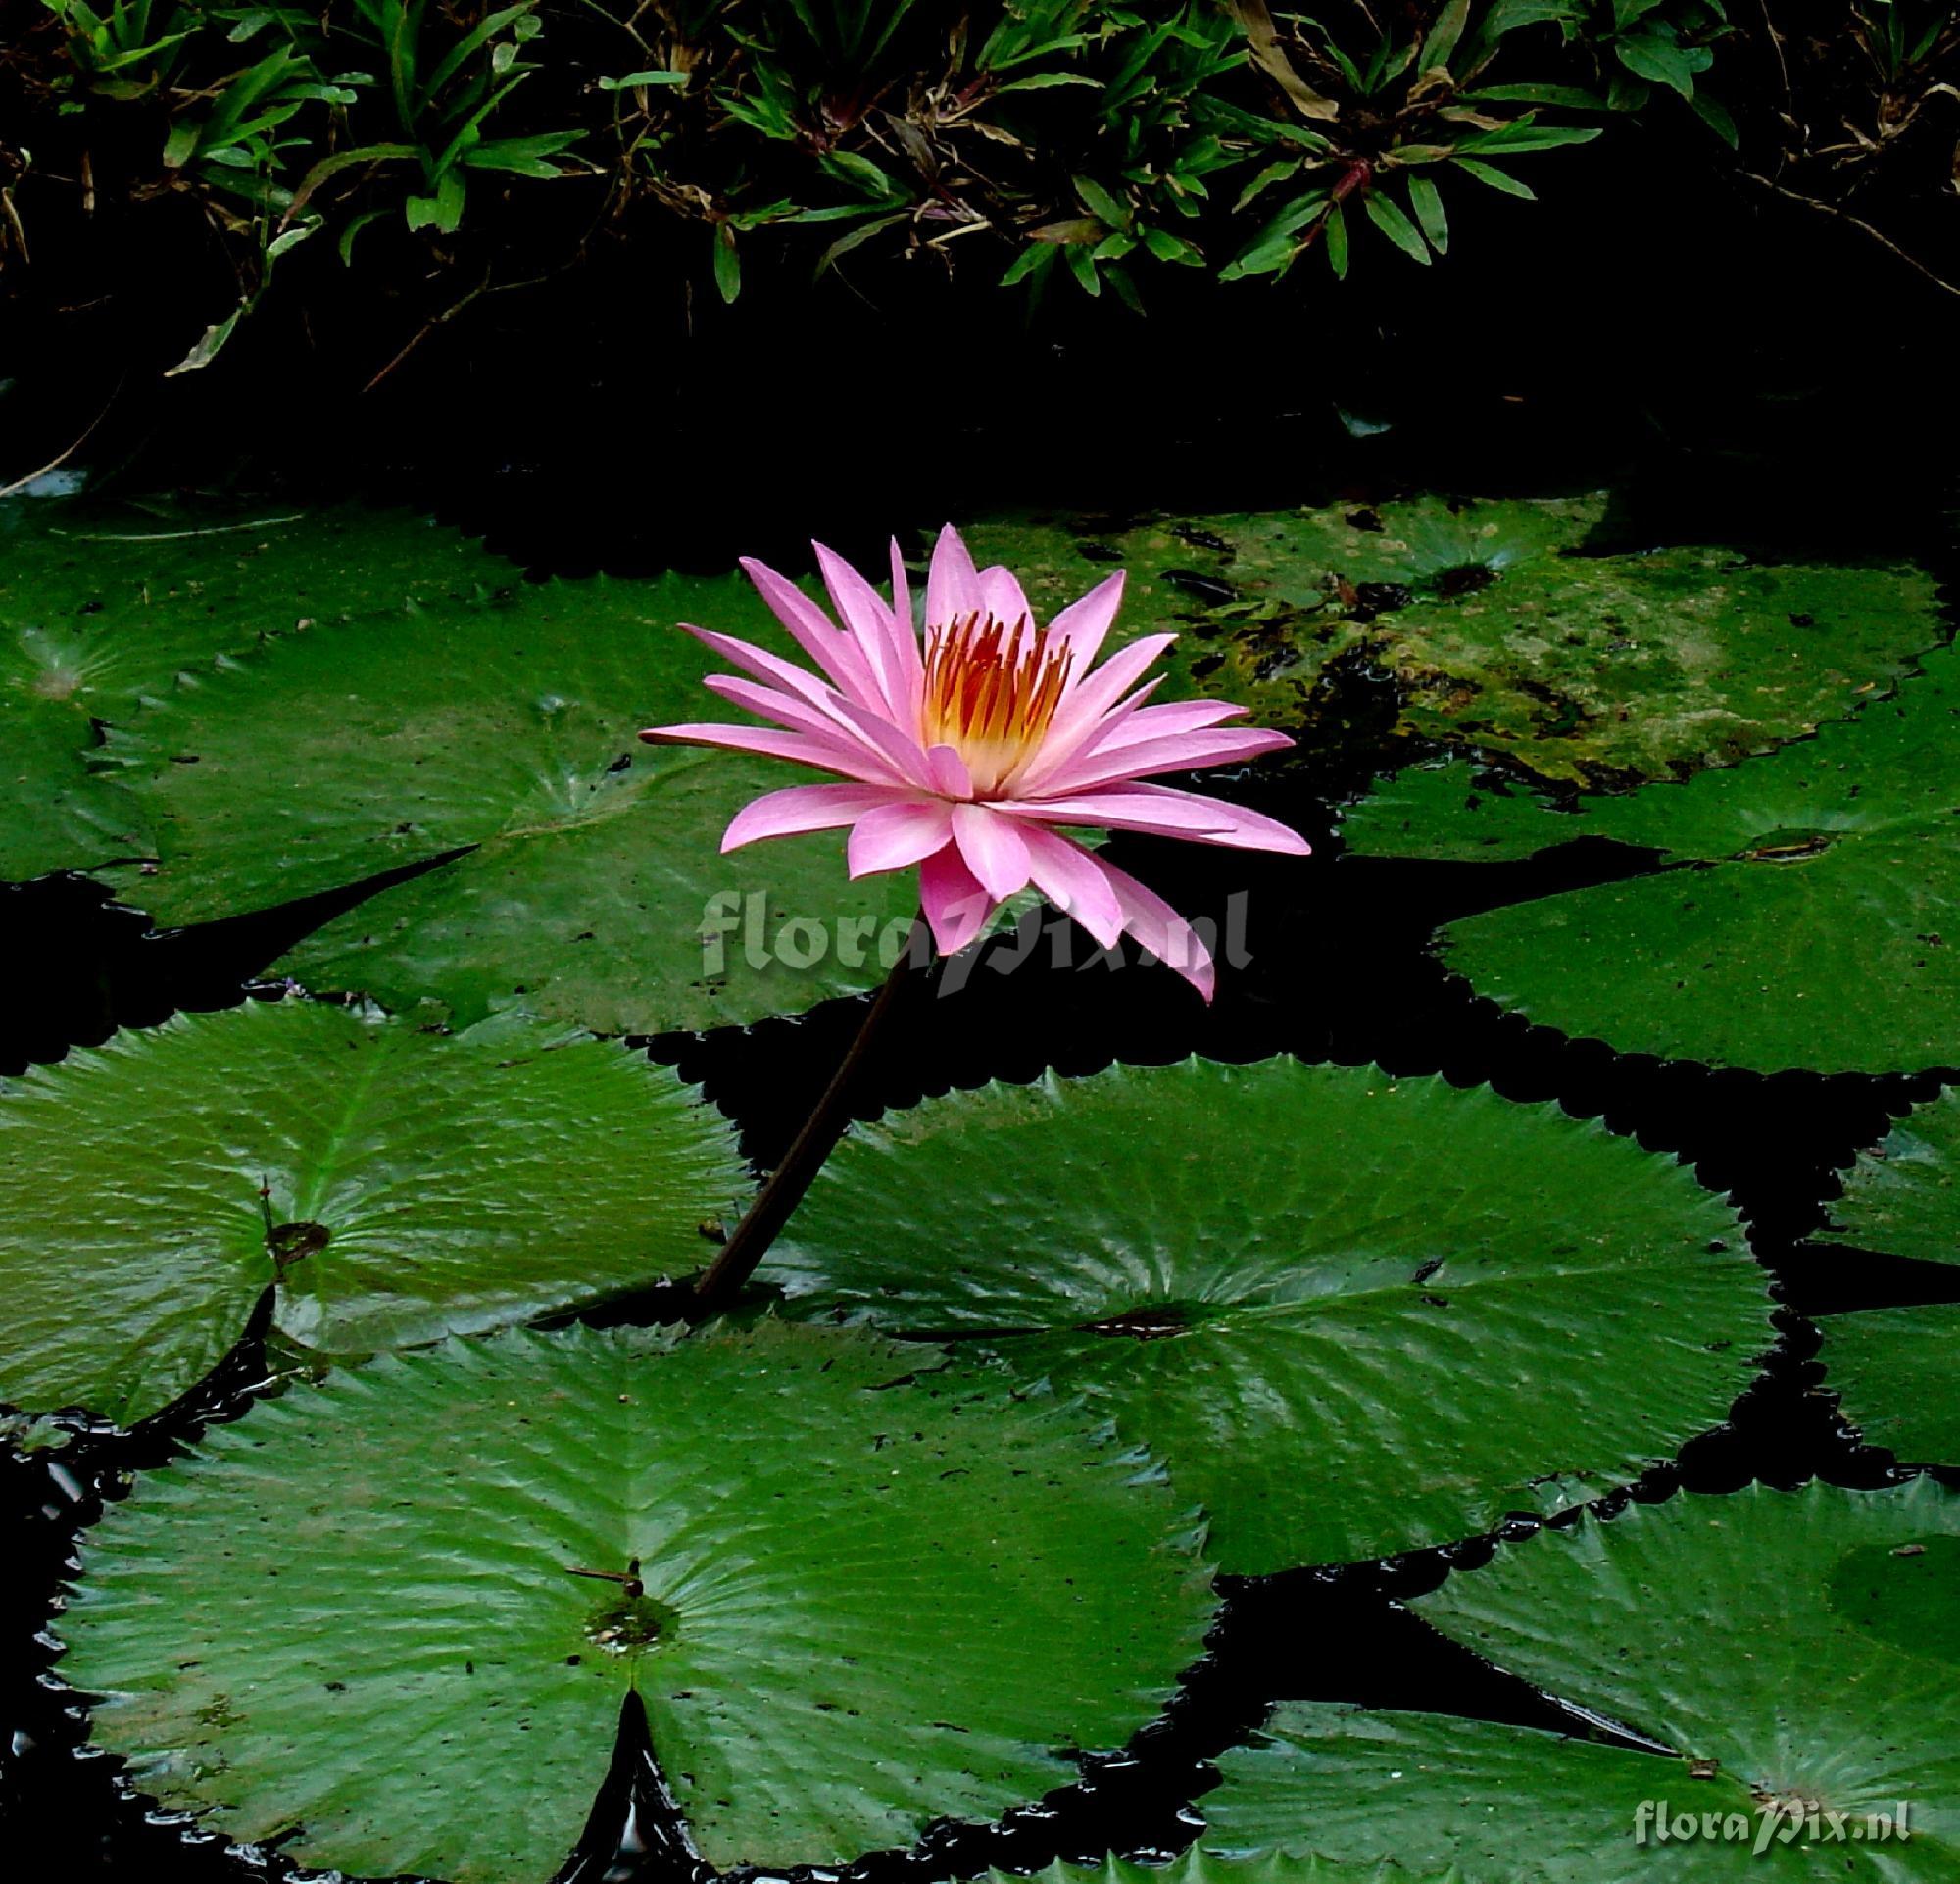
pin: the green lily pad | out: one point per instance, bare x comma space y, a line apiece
1460, 812
1506, 635
103, 611
1353, 1315
1484, 1802
1794, 1649
1196, 1866
397, 1185
1897, 1376
866, 1597
1813, 918
355, 749
1904, 1197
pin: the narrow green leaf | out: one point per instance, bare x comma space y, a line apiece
1167, 247
1495, 179
1126, 289
727, 263
1047, 82
1444, 35
1111, 213
1337, 241
1662, 62
1037, 255
1272, 174
1525, 135
633, 80
1427, 202
1715, 114
861, 171
1390, 219
1566, 97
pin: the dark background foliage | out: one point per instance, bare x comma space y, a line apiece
498, 242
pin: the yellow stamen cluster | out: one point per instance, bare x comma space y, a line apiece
991, 691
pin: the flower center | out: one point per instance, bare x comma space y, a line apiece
991, 691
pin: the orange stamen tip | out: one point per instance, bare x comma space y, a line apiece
991, 693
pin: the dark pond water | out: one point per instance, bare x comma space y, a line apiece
1337, 970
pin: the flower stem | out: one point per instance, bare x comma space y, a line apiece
776, 1201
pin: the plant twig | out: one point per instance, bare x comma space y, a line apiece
1858, 223
427, 327
778, 1198
61, 457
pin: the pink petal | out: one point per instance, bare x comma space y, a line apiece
898, 834
954, 905
953, 585
797, 809
1074, 881
949, 773
1166, 813
1233, 824
902, 593
773, 704
901, 747
800, 748
1121, 808
1171, 814
837, 719
1162, 931
1082, 626
863, 611
850, 727
813, 631
1085, 705
992, 848
905, 637
764, 666
1007, 601
1175, 752
1154, 722
1035, 772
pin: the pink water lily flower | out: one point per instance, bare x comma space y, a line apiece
971, 755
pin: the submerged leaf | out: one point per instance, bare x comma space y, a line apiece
399, 1611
